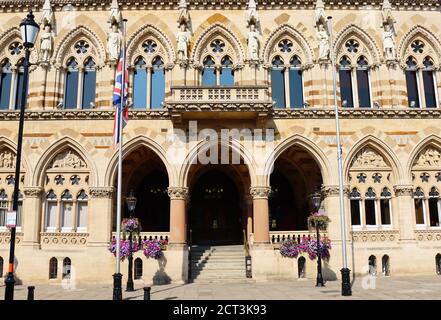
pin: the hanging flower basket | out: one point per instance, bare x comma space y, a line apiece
318, 220
291, 249
124, 248
153, 248
131, 225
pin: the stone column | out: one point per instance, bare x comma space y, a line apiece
80, 87
249, 218
100, 216
178, 225
287, 92
404, 210
31, 217
261, 214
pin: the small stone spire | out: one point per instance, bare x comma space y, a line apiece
47, 17
115, 16
252, 16
184, 16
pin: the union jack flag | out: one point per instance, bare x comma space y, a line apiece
121, 85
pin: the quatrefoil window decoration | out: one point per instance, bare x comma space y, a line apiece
10, 179
149, 46
81, 47
433, 193
59, 180
217, 46
376, 177
417, 46
370, 193
438, 177
425, 177
352, 46
386, 193
361, 177
15, 48
354, 194
285, 45
75, 180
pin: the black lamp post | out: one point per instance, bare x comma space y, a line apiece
131, 205
29, 31
316, 199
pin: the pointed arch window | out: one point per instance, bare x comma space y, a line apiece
434, 207
67, 266
209, 72
71, 84
66, 213
19, 209
429, 83
278, 82
296, 82
4, 206
412, 83
157, 83
355, 200
19, 86
82, 211
420, 208
53, 268
363, 83
138, 268
370, 209
227, 72
140, 84
345, 75
51, 211
385, 207
89, 84
5, 85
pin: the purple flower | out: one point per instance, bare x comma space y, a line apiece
124, 248
153, 248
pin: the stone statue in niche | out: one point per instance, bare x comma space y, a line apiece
368, 158
46, 37
253, 43
7, 160
430, 157
183, 40
389, 31
68, 159
323, 40
114, 40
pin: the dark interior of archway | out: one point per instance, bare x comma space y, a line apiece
296, 175
215, 211
146, 175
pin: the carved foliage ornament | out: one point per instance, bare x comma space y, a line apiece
368, 158
68, 159
178, 193
260, 192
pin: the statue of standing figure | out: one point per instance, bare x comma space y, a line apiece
389, 31
46, 37
114, 40
323, 39
183, 40
253, 43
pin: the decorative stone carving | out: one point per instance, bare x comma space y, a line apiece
47, 22
389, 31
7, 159
32, 192
322, 32
115, 16
101, 192
430, 157
253, 43
333, 191
178, 193
114, 40
68, 159
375, 235
260, 192
183, 40
368, 158
428, 235
56, 238
403, 190
252, 15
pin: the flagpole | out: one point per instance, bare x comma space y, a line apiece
117, 288
345, 272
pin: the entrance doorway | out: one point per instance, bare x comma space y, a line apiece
215, 211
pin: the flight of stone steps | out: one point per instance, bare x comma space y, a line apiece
209, 264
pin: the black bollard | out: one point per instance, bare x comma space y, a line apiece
146, 293
31, 292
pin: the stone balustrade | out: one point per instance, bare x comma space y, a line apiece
145, 236
277, 237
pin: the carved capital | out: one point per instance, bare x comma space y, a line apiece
178, 193
403, 190
333, 191
32, 192
101, 192
260, 192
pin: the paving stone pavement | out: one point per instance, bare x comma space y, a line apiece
364, 288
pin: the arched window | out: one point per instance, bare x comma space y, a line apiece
157, 84
71, 84
138, 268
3, 208
19, 209
385, 265
278, 82
301, 263
19, 86
434, 207
429, 82
345, 75
355, 200
372, 262
5, 85
363, 83
81, 220
53, 268
51, 211
67, 266
209, 72
420, 209
140, 84
1, 267
295, 83
66, 211
438, 264
385, 211
227, 72
370, 209
412, 83
89, 84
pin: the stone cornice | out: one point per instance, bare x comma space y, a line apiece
24, 5
178, 193
220, 107
101, 192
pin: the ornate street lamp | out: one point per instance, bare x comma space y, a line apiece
316, 199
29, 31
131, 205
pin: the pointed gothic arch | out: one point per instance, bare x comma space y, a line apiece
433, 141
420, 32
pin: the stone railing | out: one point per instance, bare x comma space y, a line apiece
219, 94
375, 235
428, 235
145, 236
5, 238
277, 237
63, 238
